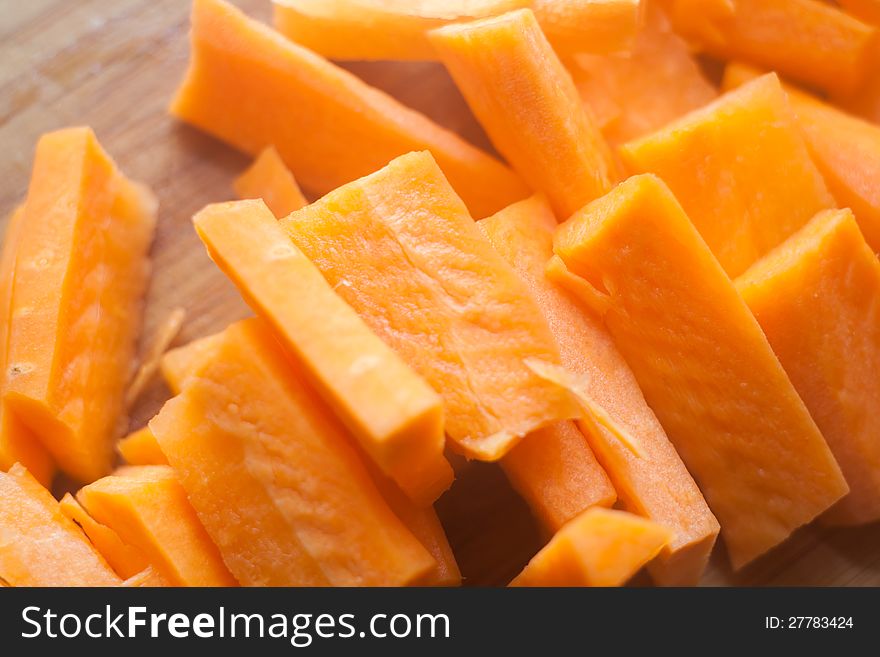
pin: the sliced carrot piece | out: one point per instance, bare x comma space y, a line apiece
809, 41
656, 484
39, 545
846, 151
18, 444
181, 364
529, 106
600, 547
140, 448
178, 364
80, 275
148, 578
556, 473
377, 29
267, 178
740, 169
595, 26
401, 249
251, 87
817, 298
704, 365
151, 360
644, 89
125, 559
259, 453
394, 414
148, 509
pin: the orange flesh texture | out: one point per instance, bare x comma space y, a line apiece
261, 455
251, 87
267, 178
17, 443
528, 104
595, 26
124, 559
600, 547
148, 508
817, 298
400, 247
809, 41
652, 84
846, 151
148, 578
866, 10
180, 365
39, 545
377, 29
741, 170
657, 485
140, 448
394, 414
553, 468
704, 365
80, 276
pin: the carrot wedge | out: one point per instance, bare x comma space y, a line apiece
846, 150
600, 547
704, 365
41, 546
591, 26
258, 451
140, 448
252, 88
746, 143
148, 509
267, 178
817, 298
400, 247
393, 412
125, 559
656, 484
812, 42
529, 106
179, 367
18, 444
80, 275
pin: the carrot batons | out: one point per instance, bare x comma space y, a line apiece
181, 364
377, 29
740, 169
595, 26
80, 275
656, 484
394, 414
529, 106
126, 560
260, 455
846, 151
252, 88
556, 473
598, 548
148, 508
140, 448
39, 545
806, 40
18, 444
704, 365
817, 298
267, 178
400, 247
642, 90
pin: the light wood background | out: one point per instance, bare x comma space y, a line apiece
113, 64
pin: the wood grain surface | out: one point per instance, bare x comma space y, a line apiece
113, 64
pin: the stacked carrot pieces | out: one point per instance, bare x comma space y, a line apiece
668, 304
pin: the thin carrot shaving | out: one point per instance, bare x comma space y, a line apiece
149, 367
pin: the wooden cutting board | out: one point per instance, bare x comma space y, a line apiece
113, 64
